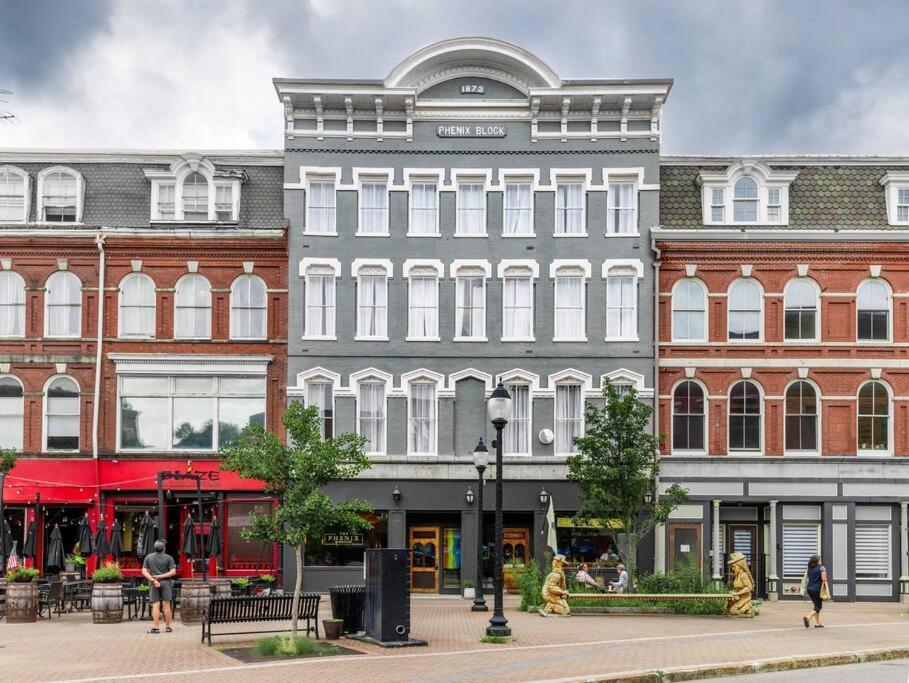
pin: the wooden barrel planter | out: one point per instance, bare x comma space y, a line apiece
22, 602
194, 597
220, 587
107, 603
2, 604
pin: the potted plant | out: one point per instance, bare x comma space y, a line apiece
239, 585
107, 594
332, 628
22, 595
469, 591
513, 571
73, 561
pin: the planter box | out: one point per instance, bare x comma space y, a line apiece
470, 593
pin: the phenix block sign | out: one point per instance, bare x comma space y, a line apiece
471, 130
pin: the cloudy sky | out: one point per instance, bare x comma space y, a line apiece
755, 76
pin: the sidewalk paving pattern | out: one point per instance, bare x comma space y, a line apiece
580, 648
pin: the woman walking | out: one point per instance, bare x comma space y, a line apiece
815, 583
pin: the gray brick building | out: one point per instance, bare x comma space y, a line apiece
470, 217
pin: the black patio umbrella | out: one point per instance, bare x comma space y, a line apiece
144, 531
189, 547
30, 549
6, 548
102, 547
55, 553
151, 533
116, 539
86, 544
214, 538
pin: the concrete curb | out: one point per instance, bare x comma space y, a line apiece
757, 667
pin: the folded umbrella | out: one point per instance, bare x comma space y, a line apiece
86, 545
151, 534
189, 547
214, 538
30, 549
102, 547
55, 555
116, 539
144, 526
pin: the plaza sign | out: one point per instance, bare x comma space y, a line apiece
471, 130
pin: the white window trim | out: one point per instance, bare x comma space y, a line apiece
360, 177
372, 375
417, 176
335, 266
317, 374
355, 268
706, 309
763, 418
21, 414
454, 273
519, 264
179, 170
689, 451
874, 342
47, 308
230, 307
763, 176
532, 381
569, 265
760, 287
80, 194
211, 309
567, 176
520, 176
891, 418
893, 182
50, 380
817, 312
626, 376
422, 376
309, 174
26, 187
819, 430
439, 268
635, 181
120, 333
638, 267
24, 313
473, 176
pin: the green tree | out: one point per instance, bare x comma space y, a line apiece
296, 473
616, 467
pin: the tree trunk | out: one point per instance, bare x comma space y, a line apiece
298, 591
632, 563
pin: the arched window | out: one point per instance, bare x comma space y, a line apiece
744, 417
192, 304
137, 306
745, 200
874, 418
873, 311
13, 195
801, 417
800, 301
689, 311
12, 304
688, 413
63, 305
745, 306
195, 197
61, 414
248, 308
12, 413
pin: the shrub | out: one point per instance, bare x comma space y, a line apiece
531, 584
686, 579
267, 577
467, 583
109, 573
285, 646
240, 581
22, 575
75, 559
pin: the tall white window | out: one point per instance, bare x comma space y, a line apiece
689, 311
569, 307
800, 301
744, 417
224, 202
569, 417
570, 209
319, 394
745, 308
167, 203
423, 307
192, 308
63, 305
874, 418
373, 208
745, 200
902, 205
248, 308
774, 205
371, 416
516, 435
801, 424
372, 306
61, 415
320, 207
688, 418
873, 545
518, 212
12, 195
717, 204
873, 310
424, 209
471, 219
621, 305
12, 413
12, 304
621, 209
470, 305
320, 304
195, 197
137, 306
422, 417
800, 542
59, 197
517, 308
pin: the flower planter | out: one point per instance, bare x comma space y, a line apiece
512, 579
194, 597
470, 593
332, 628
22, 602
107, 603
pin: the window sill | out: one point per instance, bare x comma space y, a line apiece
688, 341
319, 234
527, 236
745, 342
801, 341
874, 454
478, 234
186, 221
422, 339
62, 336
135, 337
872, 342
569, 234
371, 234
569, 339
744, 454
470, 339
518, 339
313, 337
192, 338
622, 339
623, 234
418, 234
801, 454
687, 454
358, 338
248, 339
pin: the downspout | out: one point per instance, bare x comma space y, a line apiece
659, 541
99, 241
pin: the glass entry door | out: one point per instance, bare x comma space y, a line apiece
743, 539
684, 545
424, 559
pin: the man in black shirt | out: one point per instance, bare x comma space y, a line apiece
159, 568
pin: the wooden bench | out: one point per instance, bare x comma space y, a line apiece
260, 608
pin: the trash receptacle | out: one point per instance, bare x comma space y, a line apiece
347, 604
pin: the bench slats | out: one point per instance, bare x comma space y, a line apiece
243, 609
651, 596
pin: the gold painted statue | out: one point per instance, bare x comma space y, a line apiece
742, 587
555, 591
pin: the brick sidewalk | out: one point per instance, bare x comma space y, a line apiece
72, 648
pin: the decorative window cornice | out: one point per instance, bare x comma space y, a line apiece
896, 193
771, 203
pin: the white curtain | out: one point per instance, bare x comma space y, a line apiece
620, 208
372, 416
471, 209
569, 323
569, 209
517, 320
320, 306
373, 302
471, 307
424, 307
193, 308
518, 213
621, 314
12, 196
12, 413
422, 408
248, 304
12, 304
516, 435
319, 394
321, 204
569, 417
373, 208
64, 305
137, 306
424, 209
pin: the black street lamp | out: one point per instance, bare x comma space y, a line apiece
480, 460
498, 409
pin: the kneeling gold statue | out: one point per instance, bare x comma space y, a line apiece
555, 592
742, 586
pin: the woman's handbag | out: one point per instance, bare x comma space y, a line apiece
825, 592
804, 587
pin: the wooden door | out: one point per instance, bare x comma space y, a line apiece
424, 559
684, 544
516, 545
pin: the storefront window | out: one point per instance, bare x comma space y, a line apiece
594, 543
346, 549
130, 516
251, 555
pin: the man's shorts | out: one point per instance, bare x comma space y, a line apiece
165, 592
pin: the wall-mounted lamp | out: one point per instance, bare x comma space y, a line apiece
469, 496
396, 495
544, 496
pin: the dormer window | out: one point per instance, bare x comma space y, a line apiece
192, 190
746, 193
745, 202
13, 195
59, 195
896, 193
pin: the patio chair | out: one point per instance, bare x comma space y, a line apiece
51, 600
82, 596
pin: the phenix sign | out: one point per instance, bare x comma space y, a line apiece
471, 130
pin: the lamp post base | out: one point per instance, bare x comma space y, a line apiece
479, 606
498, 630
